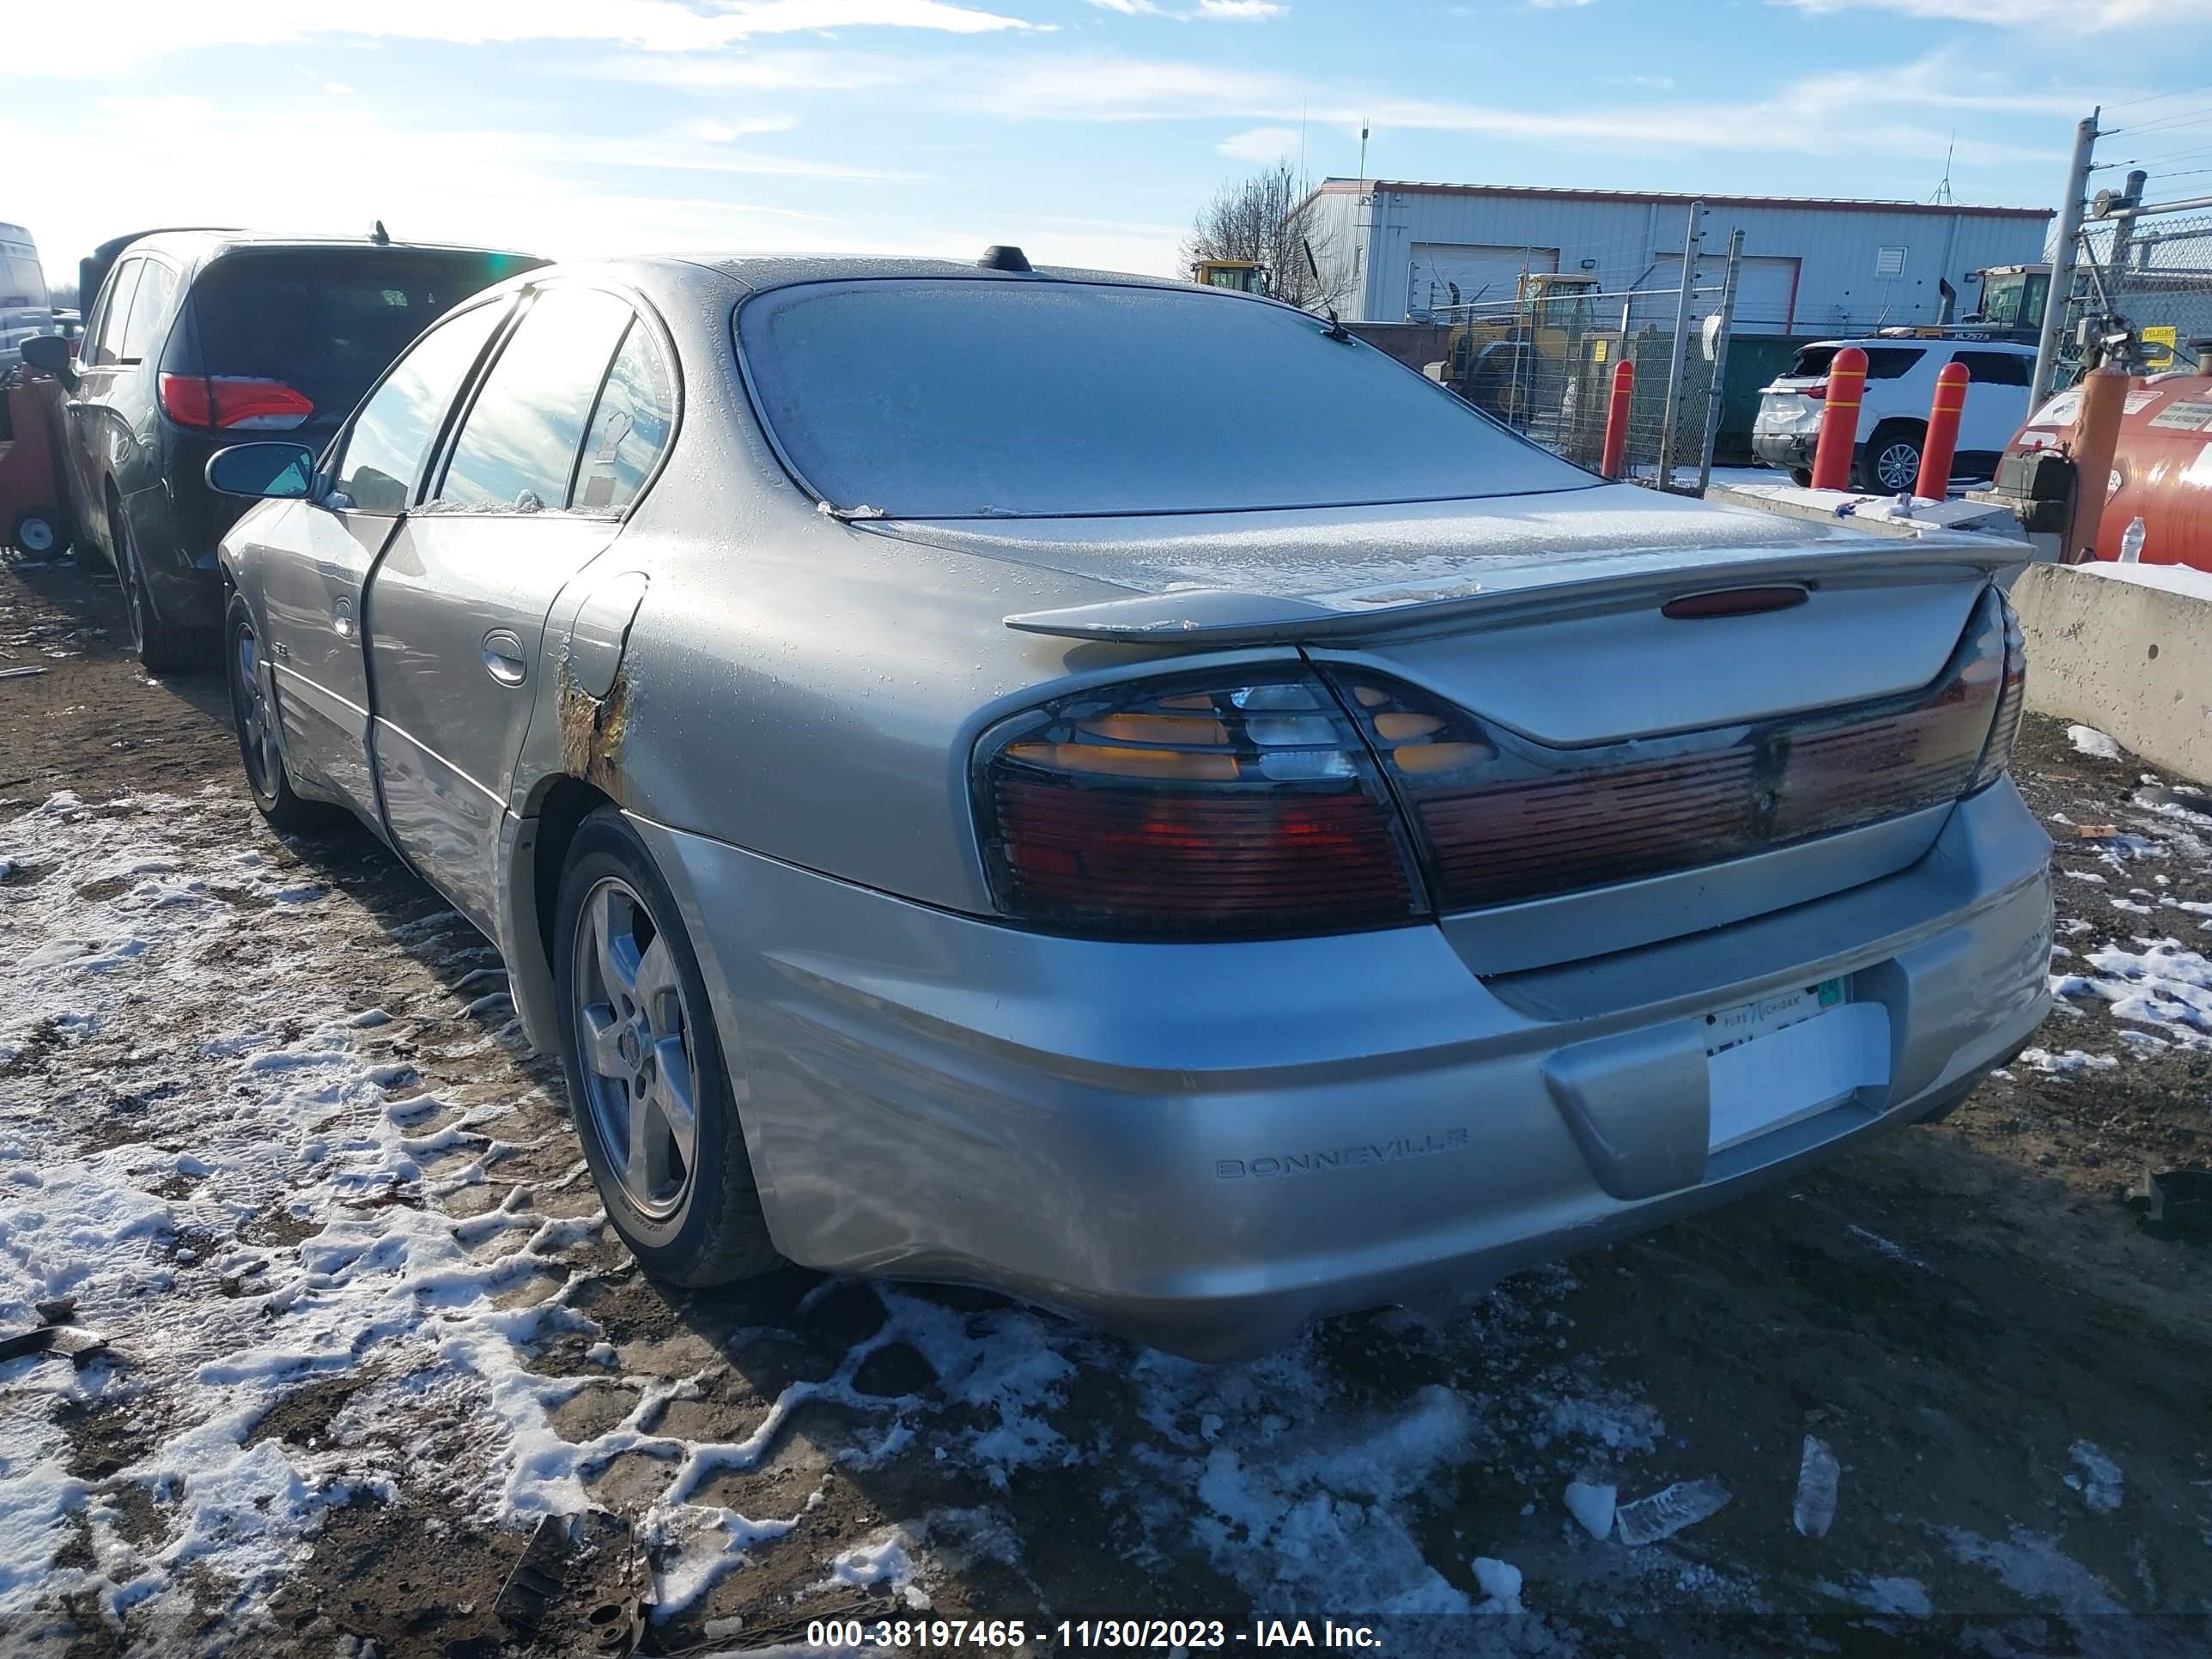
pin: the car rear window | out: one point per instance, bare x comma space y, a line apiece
327, 322
924, 398
1883, 362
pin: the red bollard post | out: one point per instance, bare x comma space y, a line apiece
1616, 420
1839, 420
1943, 443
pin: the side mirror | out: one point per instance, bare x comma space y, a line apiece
52, 353
265, 471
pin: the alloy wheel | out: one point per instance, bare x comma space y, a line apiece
1898, 465
134, 590
257, 724
634, 1039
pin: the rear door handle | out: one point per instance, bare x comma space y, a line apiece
503, 657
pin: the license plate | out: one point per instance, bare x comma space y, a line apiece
1747, 1020
1787, 1056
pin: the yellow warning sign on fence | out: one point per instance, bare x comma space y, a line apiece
2158, 345
1597, 351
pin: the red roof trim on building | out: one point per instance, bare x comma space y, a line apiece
1819, 204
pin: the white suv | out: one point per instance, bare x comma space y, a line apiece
1893, 418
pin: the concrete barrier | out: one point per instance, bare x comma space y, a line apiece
2135, 662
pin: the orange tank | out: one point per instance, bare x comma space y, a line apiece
2161, 471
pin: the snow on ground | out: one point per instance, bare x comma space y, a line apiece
2088, 740
259, 1196
254, 1191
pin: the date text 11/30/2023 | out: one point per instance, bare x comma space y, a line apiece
1139, 1635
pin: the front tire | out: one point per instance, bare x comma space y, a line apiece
253, 714
159, 647
647, 1081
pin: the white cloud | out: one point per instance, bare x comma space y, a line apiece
1866, 110
1261, 145
1211, 11
783, 70
1554, 5
53, 36
2060, 16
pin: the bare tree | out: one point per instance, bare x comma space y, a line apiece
1270, 217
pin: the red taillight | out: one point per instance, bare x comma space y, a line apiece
1502, 819
232, 402
1192, 811
1818, 392
1733, 602
1996, 757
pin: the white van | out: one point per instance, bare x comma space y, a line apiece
25, 309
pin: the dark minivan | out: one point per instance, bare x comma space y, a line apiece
199, 338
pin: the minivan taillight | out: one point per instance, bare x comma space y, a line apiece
232, 403
1240, 806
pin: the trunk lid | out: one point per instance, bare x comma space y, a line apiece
1540, 611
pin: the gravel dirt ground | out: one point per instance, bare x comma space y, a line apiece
265, 1117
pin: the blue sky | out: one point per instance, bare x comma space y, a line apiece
1087, 131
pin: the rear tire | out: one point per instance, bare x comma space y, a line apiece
1891, 461
1801, 476
159, 647
260, 747
640, 1053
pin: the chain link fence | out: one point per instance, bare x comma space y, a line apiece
2147, 275
1543, 364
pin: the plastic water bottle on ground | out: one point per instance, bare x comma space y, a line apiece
1817, 1474
1666, 1513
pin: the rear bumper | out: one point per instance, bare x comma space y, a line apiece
1782, 449
1205, 1146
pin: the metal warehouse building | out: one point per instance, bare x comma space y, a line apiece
1810, 265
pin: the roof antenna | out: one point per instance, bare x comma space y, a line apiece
1004, 256
1942, 195
378, 234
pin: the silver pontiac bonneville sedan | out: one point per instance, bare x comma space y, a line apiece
1125, 794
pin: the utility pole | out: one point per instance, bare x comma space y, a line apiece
1720, 359
1690, 241
2062, 258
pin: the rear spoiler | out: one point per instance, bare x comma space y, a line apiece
1214, 618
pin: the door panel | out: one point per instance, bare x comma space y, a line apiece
311, 597
457, 606
313, 589
456, 619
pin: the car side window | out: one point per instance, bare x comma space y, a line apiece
518, 442
393, 435
114, 309
149, 322
1891, 362
629, 427
1996, 367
